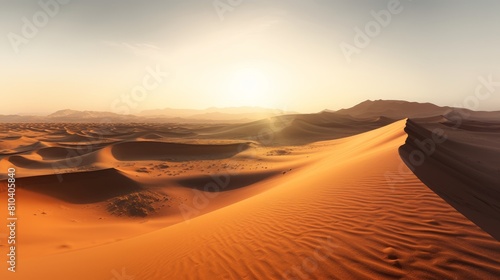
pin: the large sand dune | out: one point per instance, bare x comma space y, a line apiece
464, 168
347, 208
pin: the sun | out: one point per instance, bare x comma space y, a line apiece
250, 87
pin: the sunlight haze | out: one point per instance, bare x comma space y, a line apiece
274, 54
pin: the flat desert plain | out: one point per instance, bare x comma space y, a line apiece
319, 196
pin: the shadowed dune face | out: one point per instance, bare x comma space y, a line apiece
224, 182
145, 150
223, 205
21, 161
297, 129
20, 145
461, 163
69, 138
317, 211
55, 153
82, 187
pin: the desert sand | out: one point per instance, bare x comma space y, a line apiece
464, 169
321, 196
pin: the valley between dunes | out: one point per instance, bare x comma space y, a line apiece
233, 209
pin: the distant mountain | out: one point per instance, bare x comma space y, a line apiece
210, 115
378, 109
328, 111
73, 114
169, 113
20, 119
394, 109
63, 113
213, 113
398, 109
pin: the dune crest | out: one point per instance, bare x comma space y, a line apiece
334, 215
462, 166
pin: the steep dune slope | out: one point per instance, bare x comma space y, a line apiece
462, 165
336, 218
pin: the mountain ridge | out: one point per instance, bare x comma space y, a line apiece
393, 109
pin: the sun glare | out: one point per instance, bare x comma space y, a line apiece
250, 86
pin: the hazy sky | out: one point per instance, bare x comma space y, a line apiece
293, 55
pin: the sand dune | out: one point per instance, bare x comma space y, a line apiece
68, 138
19, 145
234, 182
297, 129
54, 153
148, 150
82, 187
325, 210
464, 169
25, 162
152, 136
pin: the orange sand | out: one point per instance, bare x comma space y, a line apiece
323, 210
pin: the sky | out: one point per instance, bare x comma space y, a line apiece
126, 56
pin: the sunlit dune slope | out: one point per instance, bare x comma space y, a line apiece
298, 129
337, 217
